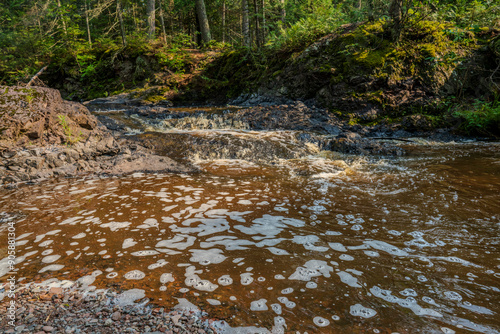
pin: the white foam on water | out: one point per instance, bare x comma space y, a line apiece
349, 279
385, 247
129, 242
454, 259
311, 285
269, 226
345, 257
24, 235
371, 253
452, 295
308, 241
46, 243
333, 233
158, 264
147, 252
259, 305
312, 268
337, 246
408, 292
115, 226
225, 280
166, 277
359, 310
199, 284
207, 256
321, 322
51, 258
244, 202
134, 275
72, 220
408, 302
287, 291
246, 278
21, 243
276, 308
79, 236
52, 267
278, 251
149, 223
214, 302
180, 242
279, 277
112, 274
128, 297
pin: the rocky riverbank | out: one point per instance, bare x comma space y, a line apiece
43, 136
44, 309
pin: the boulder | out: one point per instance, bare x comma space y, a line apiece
38, 115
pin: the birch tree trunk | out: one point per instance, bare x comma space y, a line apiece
150, 8
120, 18
62, 17
87, 22
162, 21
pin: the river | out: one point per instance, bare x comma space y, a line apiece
275, 235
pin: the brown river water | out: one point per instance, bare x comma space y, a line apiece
319, 242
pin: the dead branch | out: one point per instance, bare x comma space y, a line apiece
36, 76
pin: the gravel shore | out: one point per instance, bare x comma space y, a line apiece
43, 309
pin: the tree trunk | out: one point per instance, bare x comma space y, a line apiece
203, 20
134, 17
162, 22
224, 21
396, 13
283, 11
150, 8
257, 28
264, 22
245, 26
197, 31
120, 18
371, 10
62, 18
87, 22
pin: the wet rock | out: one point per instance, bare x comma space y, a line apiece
353, 143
